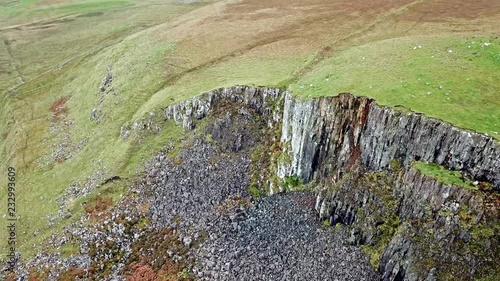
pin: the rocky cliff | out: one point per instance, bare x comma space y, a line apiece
331, 134
358, 156
412, 225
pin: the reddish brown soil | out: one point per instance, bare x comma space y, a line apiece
98, 206
59, 109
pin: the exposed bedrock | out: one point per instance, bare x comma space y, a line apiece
203, 193
359, 155
330, 134
265, 102
413, 227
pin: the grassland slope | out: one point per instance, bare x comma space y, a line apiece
440, 58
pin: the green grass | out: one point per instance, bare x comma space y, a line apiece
147, 147
249, 69
33, 7
138, 70
255, 192
461, 87
88, 6
443, 175
291, 183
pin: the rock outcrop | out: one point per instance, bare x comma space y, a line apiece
331, 134
414, 227
265, 102
332, 138
203, 199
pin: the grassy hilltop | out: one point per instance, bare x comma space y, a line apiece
440, 58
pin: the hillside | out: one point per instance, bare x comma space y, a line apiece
84, 84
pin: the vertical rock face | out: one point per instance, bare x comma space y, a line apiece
330, 134
414, 227
267, 102
324, 135
392, 135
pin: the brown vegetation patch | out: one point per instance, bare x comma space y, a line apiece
12, 277
170, 271
37, 274
72, 273
59, 109
151, 258
98, 206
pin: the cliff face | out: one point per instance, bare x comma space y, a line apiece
412, 226
330, 134
392, 135
265, 102
358, 155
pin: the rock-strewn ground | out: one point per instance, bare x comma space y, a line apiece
274, 238
279, 238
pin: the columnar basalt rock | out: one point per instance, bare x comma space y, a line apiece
392, 135
414, 226
324, 135
330, 134
331, 138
